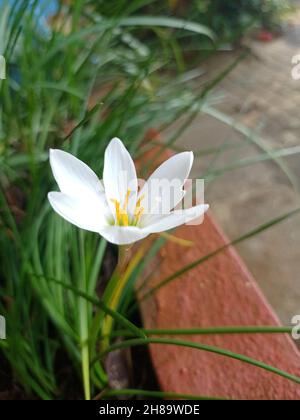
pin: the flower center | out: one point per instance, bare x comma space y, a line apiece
122, 216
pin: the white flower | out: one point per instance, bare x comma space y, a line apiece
114, 207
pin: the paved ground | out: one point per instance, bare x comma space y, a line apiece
261, 94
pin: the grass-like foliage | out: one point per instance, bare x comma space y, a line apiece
75, 84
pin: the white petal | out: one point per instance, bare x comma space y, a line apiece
73, 176
175, 219
120, 235
164, 189
119, 175
86, 214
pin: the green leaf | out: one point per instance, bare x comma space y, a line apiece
168, 22
89, 114
203, 347
98, 302
207, 257
254, 138
213, 331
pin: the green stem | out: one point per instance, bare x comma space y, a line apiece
120, 278
84, 327
85, 348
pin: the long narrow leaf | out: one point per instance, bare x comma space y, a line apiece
168, 22
98, 302
212, 331
203, 347
212, 254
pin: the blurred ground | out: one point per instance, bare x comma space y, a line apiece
262, 94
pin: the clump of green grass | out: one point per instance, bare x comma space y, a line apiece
49, 271
48, 101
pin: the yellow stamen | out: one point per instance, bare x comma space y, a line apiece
125, 219
126, 200
118, 210
139, 211
139, 202
122, 218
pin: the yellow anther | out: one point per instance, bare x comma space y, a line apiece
139, 211
139, 202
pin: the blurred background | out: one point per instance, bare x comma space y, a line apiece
220, 78
254, 176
